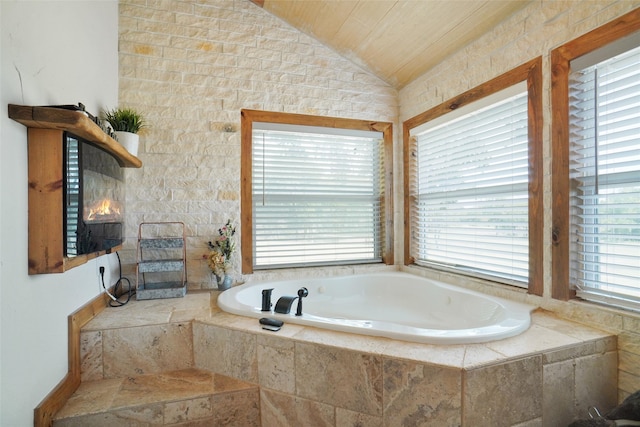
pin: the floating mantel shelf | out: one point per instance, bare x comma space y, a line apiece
45, 128
75, 122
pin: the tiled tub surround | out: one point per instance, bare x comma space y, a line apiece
307, 376
193, 396
138, 370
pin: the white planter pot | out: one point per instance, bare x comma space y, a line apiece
129, 141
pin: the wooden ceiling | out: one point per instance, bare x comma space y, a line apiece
398, 40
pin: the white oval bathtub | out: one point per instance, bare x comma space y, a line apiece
393, 305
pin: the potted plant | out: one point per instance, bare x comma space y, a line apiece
126, 123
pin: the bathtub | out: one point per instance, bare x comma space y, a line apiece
393, 305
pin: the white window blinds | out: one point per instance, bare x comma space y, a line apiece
605, 177
316, 196
470, 192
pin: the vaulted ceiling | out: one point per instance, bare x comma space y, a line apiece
398, 40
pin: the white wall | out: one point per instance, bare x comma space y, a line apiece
53, 52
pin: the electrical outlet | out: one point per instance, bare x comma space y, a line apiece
101, 276
100, 272
104, 282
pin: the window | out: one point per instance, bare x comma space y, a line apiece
600, 242
472, 191
318, 193
473, 195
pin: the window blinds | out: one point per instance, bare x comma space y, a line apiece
605, 177
316, 196
470, 193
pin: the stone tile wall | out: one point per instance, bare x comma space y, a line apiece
190, 67
534, 31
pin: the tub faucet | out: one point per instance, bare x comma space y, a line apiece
284, 303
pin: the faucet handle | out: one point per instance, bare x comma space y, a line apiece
302, 292
266, 299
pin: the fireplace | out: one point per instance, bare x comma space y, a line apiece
93, 198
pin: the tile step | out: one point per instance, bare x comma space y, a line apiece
193, 397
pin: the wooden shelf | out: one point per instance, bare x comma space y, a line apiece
75, 122
45, 130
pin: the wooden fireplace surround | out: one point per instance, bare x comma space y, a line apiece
45, 128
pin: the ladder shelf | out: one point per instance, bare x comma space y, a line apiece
161, 267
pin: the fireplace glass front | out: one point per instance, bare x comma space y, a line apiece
94, 198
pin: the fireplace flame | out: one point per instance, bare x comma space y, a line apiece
103, 210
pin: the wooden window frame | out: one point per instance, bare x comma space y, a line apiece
561, 58
248, 117
531, 72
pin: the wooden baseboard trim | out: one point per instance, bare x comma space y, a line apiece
55, 400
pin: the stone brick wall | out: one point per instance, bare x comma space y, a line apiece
535, 31
190, 67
